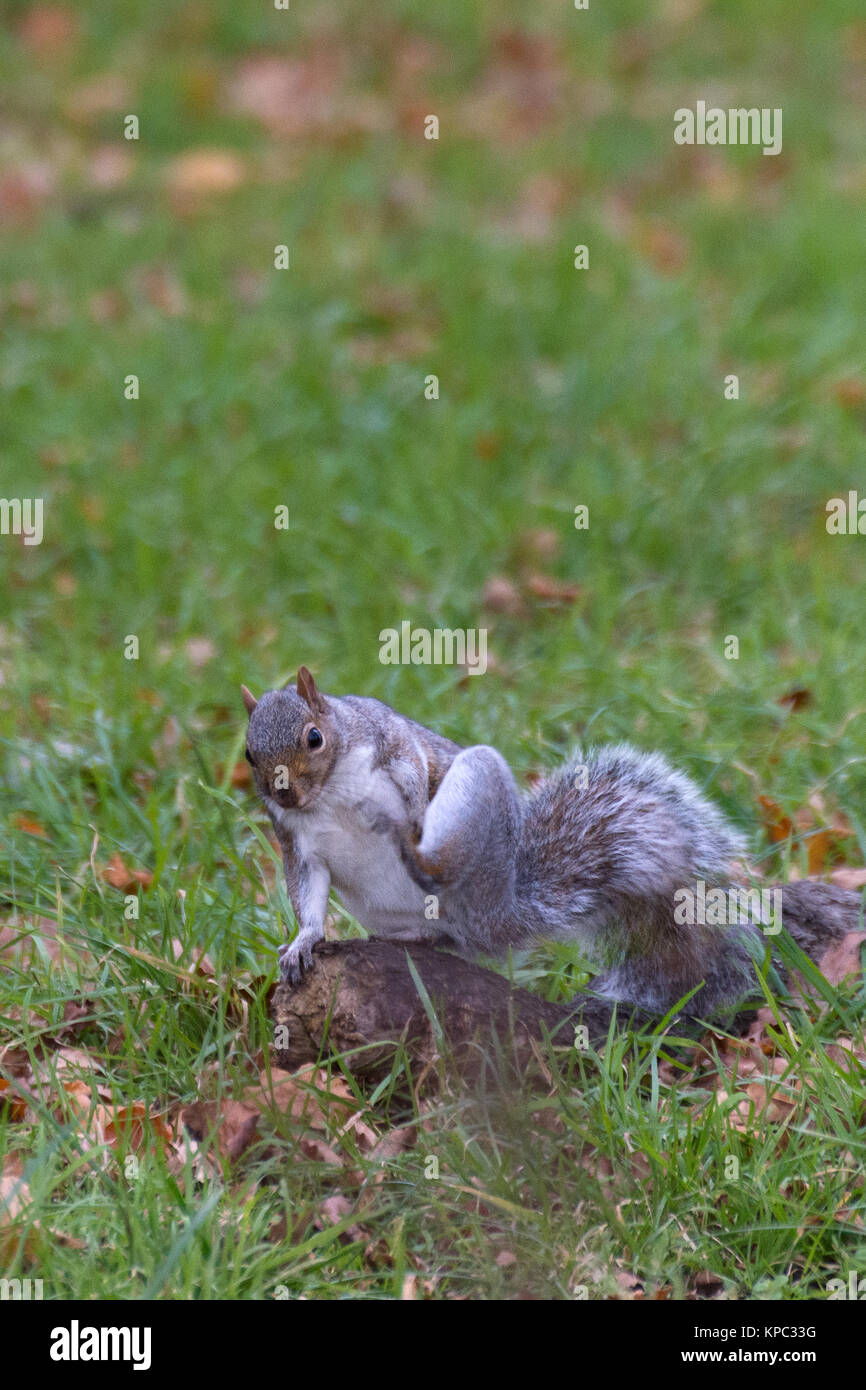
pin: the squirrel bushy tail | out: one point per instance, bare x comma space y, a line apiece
609, 841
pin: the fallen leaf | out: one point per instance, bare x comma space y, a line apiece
543, 542
852, 879
24, 191
520, 91
488, 444
307, 1095
117, 875
201, 174
550, 590
48, 29
307, 95
796, 699
843, 958
500, 595
319, 1152
850, 392
29, 825
235, 1123
161, 288
665, 246
110, 167
200, 650
12, 1102
14, 1201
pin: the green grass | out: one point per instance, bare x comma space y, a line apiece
305, 388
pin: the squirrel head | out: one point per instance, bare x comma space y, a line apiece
292, 742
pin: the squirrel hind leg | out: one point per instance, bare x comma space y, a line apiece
470, 830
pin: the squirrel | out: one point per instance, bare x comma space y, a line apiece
427, 841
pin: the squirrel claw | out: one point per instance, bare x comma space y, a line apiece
296, 958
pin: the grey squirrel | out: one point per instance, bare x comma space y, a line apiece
427, 841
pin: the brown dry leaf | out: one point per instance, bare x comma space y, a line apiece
236, 1120
401, 345
488, 444
14, 1201
163, 290
20, 938
336, 1207
308, 1095
409, 1291
75, 1060
319, 1152
365, 1138
768, 1102
80, 1096
200, 962
199, 175
777, 826
532, 218
29, 825
825, 847
117, 875
12, 1100
128, 1127
65, 584
305, 96
756, 1034
49, 30
843, 958
825, 843
506, 1259
845, 1053
664, 246
199, 651
850, 392
110, 167
852, 879
101, 95
75, 1017
520, 92
550, 590
377, 1254
241, 775
500, 595
393, 1143
24, 191
166, 743
796, 699
542, 542
14, 1061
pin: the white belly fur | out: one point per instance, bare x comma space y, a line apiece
364, 864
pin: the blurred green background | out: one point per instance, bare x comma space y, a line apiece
305, 387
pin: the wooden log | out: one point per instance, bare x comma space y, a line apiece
362, 995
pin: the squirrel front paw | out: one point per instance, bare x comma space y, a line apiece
296, 957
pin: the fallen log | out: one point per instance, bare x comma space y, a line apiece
362, 997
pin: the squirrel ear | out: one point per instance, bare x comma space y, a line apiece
308, 692
249, 699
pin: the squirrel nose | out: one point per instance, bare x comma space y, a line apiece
286, 796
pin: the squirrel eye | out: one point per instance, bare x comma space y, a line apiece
314, 739
248, 757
